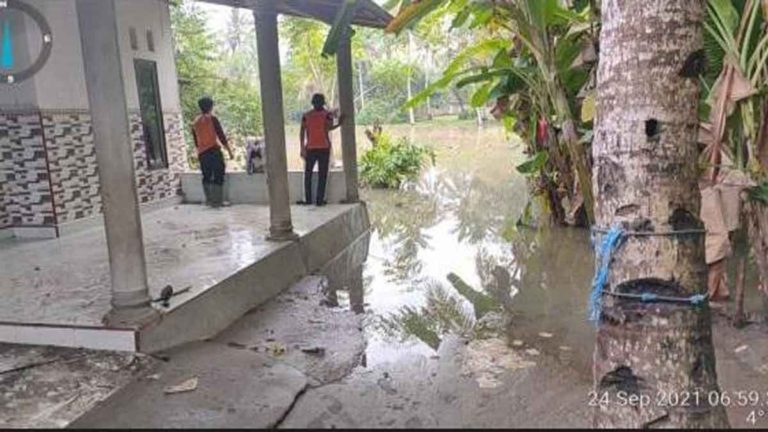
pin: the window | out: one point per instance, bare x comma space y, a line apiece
151, 113
150, 41
134, 38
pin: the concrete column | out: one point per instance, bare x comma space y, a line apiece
347, 102
265, 17
114, 154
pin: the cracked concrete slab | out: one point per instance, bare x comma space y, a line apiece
394, 395
236, 389
447, 391
297, 322
48, 387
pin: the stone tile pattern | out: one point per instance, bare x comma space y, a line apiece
26, 193
72, 159
27, 196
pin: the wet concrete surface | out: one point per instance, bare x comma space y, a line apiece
66, 280
266, 371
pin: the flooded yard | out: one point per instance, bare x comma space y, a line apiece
446, 256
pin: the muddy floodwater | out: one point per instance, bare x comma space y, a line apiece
446, 256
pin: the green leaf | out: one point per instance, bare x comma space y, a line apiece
759, 193
534, 164
726, 12
481, 77
461, 18
588, 108
481, 96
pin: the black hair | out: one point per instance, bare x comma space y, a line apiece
318, 101
205, 104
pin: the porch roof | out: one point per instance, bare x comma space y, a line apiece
367, 12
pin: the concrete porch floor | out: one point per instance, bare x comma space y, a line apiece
65, 282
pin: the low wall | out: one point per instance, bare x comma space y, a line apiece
335, 248
241, 188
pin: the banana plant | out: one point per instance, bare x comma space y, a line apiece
736, 108
524, 61
736, 101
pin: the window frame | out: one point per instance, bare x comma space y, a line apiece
152, 164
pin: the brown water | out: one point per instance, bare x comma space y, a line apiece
459, 219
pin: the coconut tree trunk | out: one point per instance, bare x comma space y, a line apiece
645, 180
411, 115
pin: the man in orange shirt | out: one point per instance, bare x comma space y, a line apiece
316, 125
209, 137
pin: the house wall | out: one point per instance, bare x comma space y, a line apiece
45, 123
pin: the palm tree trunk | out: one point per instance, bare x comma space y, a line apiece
411, 115
645, 180
361, 84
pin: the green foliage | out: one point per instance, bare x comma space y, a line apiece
532, 59
391, 162
535, 164
306, 71
240, 107
381, 110
205, 68
759, 194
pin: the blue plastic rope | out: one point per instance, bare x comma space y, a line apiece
604, 254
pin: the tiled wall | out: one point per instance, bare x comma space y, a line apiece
72, 159
6, 165
159, 184
27, 198
60, 145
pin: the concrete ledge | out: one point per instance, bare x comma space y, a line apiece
336, 247
241, 188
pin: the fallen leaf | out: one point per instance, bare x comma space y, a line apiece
277, 349
186, 386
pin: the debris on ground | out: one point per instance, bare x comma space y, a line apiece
236, 345
318, 351
183, 387
517, 343
532, 351
487, 360
740, 349
545, 335
276, 349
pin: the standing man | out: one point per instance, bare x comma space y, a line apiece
316, 125
209, 137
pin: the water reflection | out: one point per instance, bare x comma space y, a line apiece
447, 257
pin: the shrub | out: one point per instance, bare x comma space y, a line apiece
390, 162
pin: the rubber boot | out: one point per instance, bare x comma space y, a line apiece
217, 195
207, 190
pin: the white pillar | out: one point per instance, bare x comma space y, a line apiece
345, 77
265, 17
114, 154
